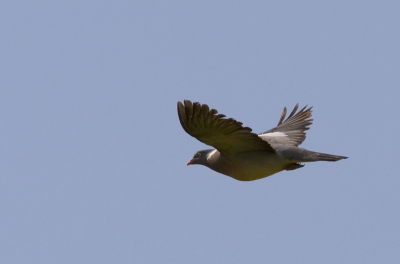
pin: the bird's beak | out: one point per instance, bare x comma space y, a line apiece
189, 162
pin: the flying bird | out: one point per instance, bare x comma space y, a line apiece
242, 154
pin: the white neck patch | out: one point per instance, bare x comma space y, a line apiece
211, 153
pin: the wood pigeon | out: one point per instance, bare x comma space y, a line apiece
243, 155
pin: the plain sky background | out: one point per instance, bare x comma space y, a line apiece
93, 158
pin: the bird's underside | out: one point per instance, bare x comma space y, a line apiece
242, 154
294, 166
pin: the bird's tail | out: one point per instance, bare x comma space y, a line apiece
317, 156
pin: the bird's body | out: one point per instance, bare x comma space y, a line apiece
242, 154
247, 166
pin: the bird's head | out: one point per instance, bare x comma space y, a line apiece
201, 157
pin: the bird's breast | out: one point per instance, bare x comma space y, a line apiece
248, 166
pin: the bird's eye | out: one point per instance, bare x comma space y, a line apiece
198, 154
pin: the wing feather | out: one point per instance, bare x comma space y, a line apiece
292, 129
227, 135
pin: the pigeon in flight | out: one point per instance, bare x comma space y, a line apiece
243, 155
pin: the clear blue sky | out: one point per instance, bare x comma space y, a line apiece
93, 158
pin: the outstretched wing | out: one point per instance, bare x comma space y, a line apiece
292, 130
227, 135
